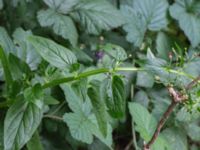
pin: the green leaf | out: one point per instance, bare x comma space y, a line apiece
163, 45
61, 25
193, 131
1, 135
145, 79
61, 6
115, 100
176, 138
141, 97
52, 52
22, 119
35, 143
187, 14
81, 128
74, 102
146, 125
142, 15
18, 67
115, 51
6, 42
96, 96
97, 15
24, 50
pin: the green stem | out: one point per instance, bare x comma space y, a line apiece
86, 74
7, 73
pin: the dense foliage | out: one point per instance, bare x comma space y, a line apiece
94, 74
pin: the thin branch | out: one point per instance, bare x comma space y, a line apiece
177, 97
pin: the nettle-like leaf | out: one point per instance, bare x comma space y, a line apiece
52, 52
97, 15
96, 96
82, 124
115, 96
22, 119
61, 24
187, 14
61, 6
146, 125
143, 15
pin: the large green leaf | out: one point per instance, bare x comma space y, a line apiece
96, 95
52, 52
24, 50
62, 25
62, 6
115, 98
142, 15
97, 15
22, 119
187, 14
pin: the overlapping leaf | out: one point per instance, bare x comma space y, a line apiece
61, 24
143, 15
97, 15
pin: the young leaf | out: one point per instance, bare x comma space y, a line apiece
97, 15
115, 99
22, 119
188, 18
62, 25
61, 6
96, 96
52, 52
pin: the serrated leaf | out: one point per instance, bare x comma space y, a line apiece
24, 50
115, 100
97, 15
187, 14
96, 96
80, 127
52, 52
142, 15
22, 119
62, 6
62, 25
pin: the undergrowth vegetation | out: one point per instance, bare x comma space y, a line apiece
99, 74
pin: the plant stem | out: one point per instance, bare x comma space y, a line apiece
85, 74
